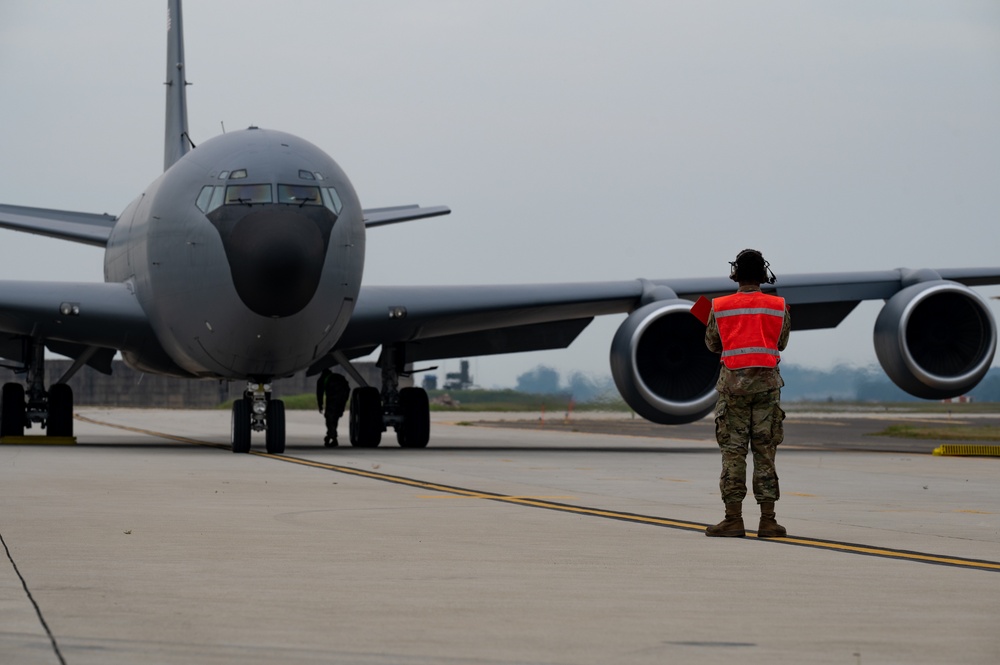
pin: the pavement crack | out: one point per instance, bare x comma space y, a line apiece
31, 599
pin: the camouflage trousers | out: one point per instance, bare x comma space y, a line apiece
334, 410
754, 420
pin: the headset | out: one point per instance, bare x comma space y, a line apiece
750, 265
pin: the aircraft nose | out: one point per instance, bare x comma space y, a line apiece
276, 257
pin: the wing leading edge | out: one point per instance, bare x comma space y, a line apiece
466, 319
82, 227
393, 215
74, 319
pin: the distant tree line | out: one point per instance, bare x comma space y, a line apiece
544, 380
865, 384
843, 383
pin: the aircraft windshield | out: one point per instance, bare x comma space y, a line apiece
332, 200
301, 195
248, 194
209, 198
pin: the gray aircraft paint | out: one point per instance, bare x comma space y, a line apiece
176, 141
184, 277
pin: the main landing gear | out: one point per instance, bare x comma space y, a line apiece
52, 409
257, 412
407, 410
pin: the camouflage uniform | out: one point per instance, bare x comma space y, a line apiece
748, 411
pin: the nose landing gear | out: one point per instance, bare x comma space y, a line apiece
257, 412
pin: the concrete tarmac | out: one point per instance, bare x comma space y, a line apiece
155, 544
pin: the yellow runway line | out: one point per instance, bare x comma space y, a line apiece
652, 520
38, 440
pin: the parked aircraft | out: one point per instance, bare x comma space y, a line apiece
244, 261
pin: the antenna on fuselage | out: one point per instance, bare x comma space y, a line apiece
176, 141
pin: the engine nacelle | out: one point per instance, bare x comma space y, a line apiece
935, 339
661, 365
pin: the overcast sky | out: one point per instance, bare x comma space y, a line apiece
574, 140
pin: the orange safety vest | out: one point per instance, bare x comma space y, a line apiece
749, 325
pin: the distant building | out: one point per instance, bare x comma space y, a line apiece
459, 380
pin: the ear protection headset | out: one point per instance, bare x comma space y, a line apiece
751, 266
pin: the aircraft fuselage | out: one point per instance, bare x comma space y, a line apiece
246, 254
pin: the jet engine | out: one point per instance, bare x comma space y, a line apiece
661, 365
935, 339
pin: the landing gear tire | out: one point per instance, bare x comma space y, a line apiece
275, 435
414, 407
366, 417
12, 410
241, 426
60, 420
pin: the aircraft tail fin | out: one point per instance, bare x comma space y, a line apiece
176, 141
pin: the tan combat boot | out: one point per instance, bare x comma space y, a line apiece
769, 528
732, 526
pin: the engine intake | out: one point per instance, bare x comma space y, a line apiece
661, 365
935, 339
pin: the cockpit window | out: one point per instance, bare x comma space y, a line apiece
237, 174
248, 194
204, 197
306, 175
332, 200
301, 195
209, 198
216, 199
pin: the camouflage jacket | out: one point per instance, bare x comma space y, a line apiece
750, 379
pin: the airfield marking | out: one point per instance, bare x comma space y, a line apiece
535, 502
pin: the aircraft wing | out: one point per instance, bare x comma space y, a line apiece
451, 321
448, 321
382, 216
93, 229
82, 227
74, 319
